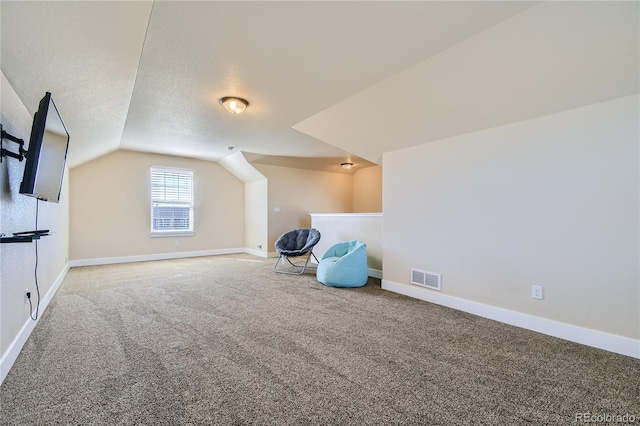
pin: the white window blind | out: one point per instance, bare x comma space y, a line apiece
171, 201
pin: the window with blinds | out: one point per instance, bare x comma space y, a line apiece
171, 201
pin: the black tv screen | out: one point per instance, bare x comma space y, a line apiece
46, 154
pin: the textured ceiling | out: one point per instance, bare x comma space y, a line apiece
147, 76
86, 54
550, 58
327, 82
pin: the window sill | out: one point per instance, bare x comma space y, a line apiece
160, 234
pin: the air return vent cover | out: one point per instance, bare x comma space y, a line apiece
426, 279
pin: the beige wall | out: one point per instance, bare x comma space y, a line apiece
256, 210
110, 209
367, 190
18, 213
552, 201
340, 227
298, 192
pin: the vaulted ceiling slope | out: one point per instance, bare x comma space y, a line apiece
86, 54
550, 58
353, 78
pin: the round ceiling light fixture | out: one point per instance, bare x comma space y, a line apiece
234, 105
346, 165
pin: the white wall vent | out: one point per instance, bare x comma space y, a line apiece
426, 279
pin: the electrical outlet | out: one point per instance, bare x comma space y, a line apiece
176, 243
536, 292
27, 295
259, 246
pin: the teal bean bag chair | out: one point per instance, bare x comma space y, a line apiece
344, 265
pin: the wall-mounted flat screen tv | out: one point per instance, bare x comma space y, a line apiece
46, 154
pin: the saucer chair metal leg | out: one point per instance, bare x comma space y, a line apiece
303, 267
275, 267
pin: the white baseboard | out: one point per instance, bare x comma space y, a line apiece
255, 252
598, 339
375, 273
158, 256
12, 352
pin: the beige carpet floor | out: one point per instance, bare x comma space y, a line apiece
225, 341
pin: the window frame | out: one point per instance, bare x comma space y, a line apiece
155, 233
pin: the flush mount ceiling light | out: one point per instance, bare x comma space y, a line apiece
234, 105
346, 165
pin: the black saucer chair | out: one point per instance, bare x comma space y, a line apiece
295, 243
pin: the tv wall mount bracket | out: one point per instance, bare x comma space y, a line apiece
20, 155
